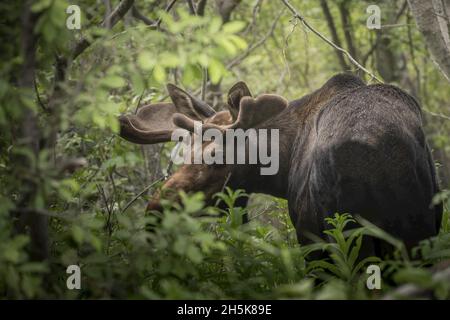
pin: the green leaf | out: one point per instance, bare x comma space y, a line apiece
191, 72
170, 60
233, 26
216, 71
194, 254
145, 60
38, 267
41, 5
215, 25
180, 246
414, 275
11, 254
238, 41
138, 82
113, 81
77, 234
192, 203
159, 74
227, 45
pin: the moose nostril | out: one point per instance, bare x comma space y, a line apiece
154, 206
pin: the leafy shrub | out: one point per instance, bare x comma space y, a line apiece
192, 252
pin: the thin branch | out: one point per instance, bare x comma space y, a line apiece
168, 8
140, 194
38, 96
395, 25
112, 20
139, 102
105, 199
255, 11
204, 83
191, 7
307, 25
439, 115
401, 11
138, 15
377, 41
257, 44
163, 178
286, 69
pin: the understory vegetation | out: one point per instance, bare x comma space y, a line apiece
192, 252
72, 192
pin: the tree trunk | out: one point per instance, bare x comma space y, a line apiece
29, 219
432, 21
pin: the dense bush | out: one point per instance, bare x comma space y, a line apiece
192, 252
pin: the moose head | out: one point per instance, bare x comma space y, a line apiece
156, 123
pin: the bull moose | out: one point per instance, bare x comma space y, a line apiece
347, 147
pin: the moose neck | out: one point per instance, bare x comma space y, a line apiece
295, 125
251, 178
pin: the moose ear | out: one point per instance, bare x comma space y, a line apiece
235, 94
253, 112
189, 105
151, 124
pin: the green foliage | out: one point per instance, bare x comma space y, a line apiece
196, 252
188, 251
343, 249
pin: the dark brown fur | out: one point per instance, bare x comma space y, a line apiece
352, 148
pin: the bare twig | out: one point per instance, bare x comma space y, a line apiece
168, 8
105, 199
204, 83
439, 115
257, 44
166, 175
191, 7
255, 11
377, 41
112, 20
38, 97
140, 194
307, 25
150, 23
138, 15
286, 69
139, 102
